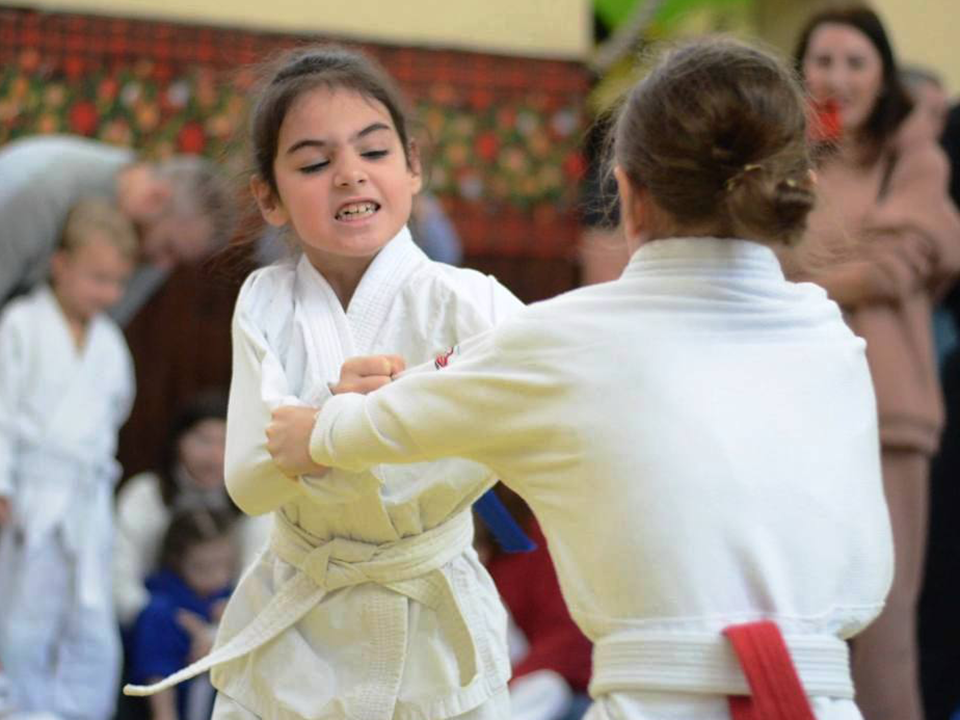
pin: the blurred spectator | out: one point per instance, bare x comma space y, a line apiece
939, 630
929, 119
884, 241
198, 563
432, 230
181, 208
930, 101
549, 654
189, 477
66, 387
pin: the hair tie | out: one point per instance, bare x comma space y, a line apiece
734, 180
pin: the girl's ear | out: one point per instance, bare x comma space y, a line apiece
270, 206
415, 168
631, 208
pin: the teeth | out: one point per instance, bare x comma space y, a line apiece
357, 210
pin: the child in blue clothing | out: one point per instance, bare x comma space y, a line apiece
197, 568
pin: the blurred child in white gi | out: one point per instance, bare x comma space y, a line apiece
66, 387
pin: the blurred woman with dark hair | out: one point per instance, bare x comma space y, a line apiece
884, 241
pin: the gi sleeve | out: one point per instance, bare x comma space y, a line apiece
258, 386
503, 303
481, 303
490, 402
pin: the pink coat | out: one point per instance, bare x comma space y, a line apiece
884, 242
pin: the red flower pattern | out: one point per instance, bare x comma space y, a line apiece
191, 138
83, 118
488, 145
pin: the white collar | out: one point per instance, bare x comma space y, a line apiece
734, 255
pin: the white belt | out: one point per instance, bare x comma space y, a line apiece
704, 663
409, 567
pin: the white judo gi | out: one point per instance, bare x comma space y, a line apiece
369, 602
60, 410
699, 442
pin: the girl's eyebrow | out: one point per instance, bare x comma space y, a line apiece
371, 128
311, 142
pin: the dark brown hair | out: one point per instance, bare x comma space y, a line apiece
207, 405
716, 133
893, 103
302, 70
189, 529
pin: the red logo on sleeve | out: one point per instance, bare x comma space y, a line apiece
443, 359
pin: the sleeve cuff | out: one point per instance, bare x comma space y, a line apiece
332, 419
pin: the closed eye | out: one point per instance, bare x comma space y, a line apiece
315, 168
375, 154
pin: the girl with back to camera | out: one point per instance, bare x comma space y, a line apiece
883, 242
369, 601
698, 439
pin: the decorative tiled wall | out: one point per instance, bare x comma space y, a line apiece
505, 131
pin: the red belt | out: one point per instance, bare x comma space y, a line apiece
775, 686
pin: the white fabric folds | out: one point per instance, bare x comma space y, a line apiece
409, 567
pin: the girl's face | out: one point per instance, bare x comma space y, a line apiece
342, 176
209, 567
201, 452
842, 64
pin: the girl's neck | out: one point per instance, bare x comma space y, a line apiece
343, 274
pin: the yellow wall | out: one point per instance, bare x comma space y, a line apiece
923, 32
548, 28
926, 32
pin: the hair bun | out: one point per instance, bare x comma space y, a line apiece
770, 204
716, 133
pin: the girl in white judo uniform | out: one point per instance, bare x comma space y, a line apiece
697, 438
369, 601
66, 387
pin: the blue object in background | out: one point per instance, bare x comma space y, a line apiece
945, 340
506, 531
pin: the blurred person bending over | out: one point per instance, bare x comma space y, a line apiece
181, 209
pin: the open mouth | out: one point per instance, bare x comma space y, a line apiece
357, 211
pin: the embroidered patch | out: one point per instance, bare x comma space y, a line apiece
443, 358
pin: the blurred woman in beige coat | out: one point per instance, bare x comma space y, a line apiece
884, 241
